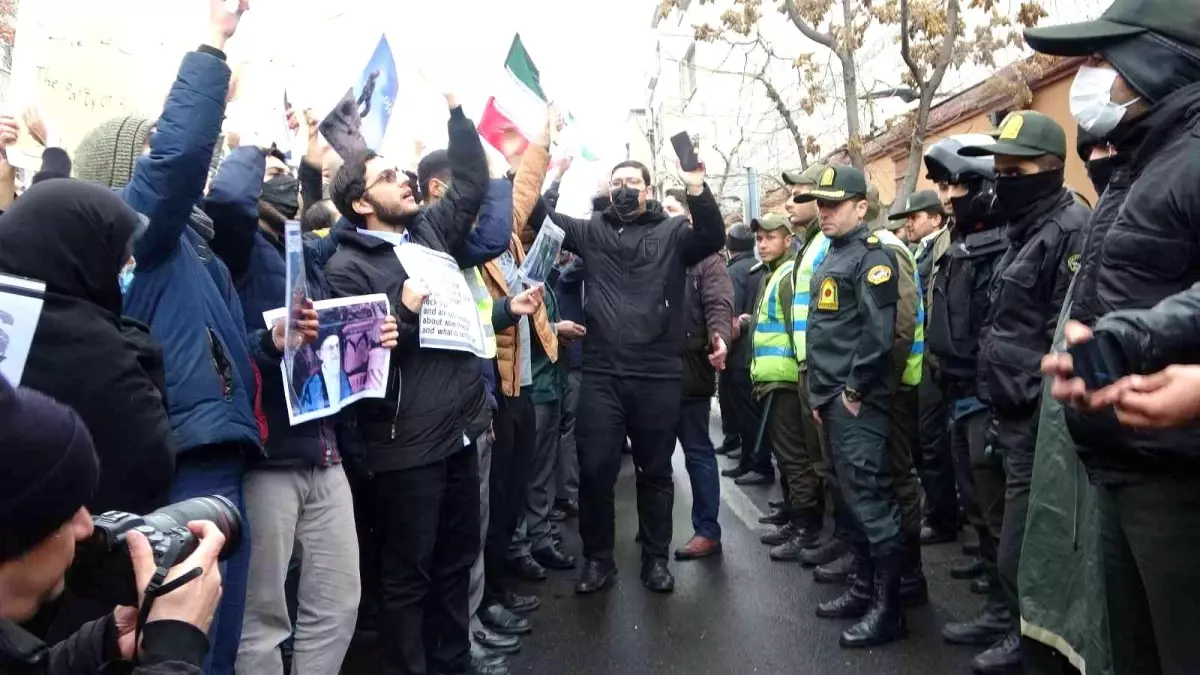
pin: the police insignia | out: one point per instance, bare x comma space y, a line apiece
879, 274
826, 178
1073, 262
828, 299
1012, 127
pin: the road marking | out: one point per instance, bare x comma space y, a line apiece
733, 496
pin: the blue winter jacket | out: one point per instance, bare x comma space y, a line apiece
210, 387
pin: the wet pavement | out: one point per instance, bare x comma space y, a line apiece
736, 613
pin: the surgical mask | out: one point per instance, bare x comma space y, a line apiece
125, 278
1091, 100
625, 202
1100, 171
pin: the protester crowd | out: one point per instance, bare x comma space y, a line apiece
886, 368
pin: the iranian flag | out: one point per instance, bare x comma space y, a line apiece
517, 110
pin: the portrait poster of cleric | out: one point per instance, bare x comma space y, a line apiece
360, 119
346, 362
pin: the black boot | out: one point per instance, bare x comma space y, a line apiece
839, 571
825, 553
780, 535
884, 621
971, 569
991, 624
1002, 658
855, 602
914, 589
778, 516
806, 532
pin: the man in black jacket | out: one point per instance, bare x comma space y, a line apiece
418, 438
637, 261
51, 469
1140, 90
735, 380
1045, 229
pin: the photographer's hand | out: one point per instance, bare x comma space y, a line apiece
194, 603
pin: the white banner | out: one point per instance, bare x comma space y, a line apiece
449, 319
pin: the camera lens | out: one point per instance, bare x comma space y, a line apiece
217, 509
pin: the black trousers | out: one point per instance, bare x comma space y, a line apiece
646, 411
756, 453
515, 424
428, 533
1151, 545
936, 464
729, 420
1016, 436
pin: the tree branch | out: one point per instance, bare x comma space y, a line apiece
803, 26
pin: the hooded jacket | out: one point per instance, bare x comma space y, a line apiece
1140, 248
434, 396
75, 237
191, 307
636, 276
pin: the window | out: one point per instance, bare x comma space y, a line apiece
687, 74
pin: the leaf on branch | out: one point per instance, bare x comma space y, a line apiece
705, 33
1030, 13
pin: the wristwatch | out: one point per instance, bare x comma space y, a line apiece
852, 395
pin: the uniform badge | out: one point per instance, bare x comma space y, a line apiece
1073, 263
828, 299
826, 178
879, 274
651, 248
1012, 127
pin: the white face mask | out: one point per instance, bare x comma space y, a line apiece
1091, 100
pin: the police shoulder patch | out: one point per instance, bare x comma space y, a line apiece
827, 299
1073, 263
879, 274
872, 241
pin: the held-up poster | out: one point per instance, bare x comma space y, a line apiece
542, 256
297, 295
20, 307
449, 318
346, 363
360, 119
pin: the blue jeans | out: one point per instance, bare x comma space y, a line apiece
218, 470
700, 459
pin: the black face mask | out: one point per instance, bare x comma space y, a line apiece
283, 193
1016, 196
625, 203
1100, 171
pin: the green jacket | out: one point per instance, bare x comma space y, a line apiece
549, 378
1061, 577
786, 292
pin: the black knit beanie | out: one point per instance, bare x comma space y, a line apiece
50, 468
108, 153
739, 238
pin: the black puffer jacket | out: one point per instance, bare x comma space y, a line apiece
635, 281
434, 396
168, 648
745, 281
1142, 247
1027, 293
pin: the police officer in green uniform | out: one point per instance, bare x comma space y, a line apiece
851, 378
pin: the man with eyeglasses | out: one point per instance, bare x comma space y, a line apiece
637, 260
425, 493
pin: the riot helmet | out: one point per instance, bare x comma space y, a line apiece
943, 164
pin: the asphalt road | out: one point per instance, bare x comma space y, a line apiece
737, 613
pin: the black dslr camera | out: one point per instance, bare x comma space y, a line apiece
102, 569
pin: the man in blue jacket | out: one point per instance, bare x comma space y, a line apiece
185, 295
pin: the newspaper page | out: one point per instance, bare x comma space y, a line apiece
449, 319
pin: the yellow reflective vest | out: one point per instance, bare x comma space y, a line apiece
774, 357
912, 367
483, 304
810, 260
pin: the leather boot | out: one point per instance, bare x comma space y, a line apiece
806, 532
838, 571
884, 621
984, 629
1002, 658
855, 602
972, 569
914, 589
825, 553
779, 516
780, 535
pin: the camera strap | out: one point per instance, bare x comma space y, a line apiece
157, 588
